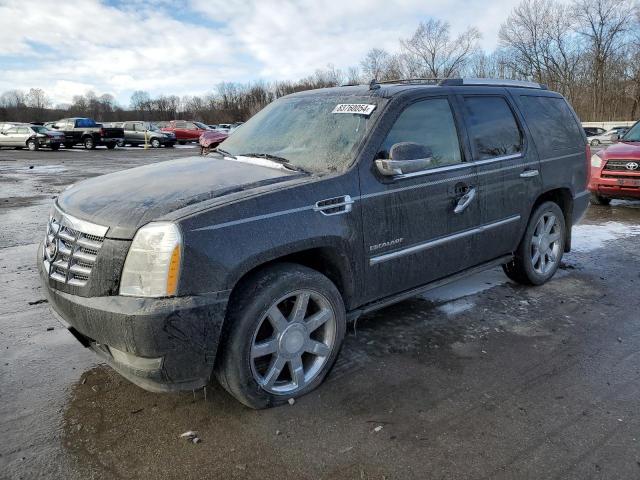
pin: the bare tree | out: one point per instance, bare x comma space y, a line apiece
604, 24
435, 53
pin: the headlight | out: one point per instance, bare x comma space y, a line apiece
152, 266
596, 161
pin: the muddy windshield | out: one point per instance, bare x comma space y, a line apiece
317, 133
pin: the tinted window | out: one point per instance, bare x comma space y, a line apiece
552, 123
85, 123
492, 128
430, 123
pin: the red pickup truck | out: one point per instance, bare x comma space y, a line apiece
186, 131
615, 171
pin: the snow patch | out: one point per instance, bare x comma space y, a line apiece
587, 238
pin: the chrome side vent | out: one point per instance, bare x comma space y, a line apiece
334, 206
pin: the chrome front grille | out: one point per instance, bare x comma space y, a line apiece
71, 248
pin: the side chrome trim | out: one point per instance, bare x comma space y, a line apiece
581, 194
408, 187
440, 241
253, 219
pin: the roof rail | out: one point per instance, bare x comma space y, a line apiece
492, 82
488, 82
415, 81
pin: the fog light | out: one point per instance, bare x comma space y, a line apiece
133, 361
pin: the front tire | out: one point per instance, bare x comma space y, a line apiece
32, 145
538, 256
155, 143
599, 200
283, 332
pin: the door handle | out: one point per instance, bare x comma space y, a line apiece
529, 174
465, 201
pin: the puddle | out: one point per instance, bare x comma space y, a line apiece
587, 238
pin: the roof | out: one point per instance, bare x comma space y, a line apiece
391, 88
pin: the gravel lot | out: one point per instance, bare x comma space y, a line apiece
480, 379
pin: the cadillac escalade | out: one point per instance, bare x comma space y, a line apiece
245, 265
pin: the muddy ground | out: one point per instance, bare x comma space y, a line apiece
481, 379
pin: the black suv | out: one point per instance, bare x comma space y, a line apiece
327, 204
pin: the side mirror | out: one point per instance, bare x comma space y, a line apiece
406, 157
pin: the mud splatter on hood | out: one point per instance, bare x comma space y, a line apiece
126, 200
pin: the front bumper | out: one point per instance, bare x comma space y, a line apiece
628, 187
183, 331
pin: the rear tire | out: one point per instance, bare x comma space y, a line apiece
169, 145
89, 144
538, 256
599, 200
120, 143
55, 146
68, 145
182, 142
595, 142
111, 146
32, 145
283, 332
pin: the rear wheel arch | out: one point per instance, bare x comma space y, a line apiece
564, 199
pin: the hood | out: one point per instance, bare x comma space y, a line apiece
126, 200
623, 151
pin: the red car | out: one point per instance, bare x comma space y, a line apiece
186, 131
210, 140
615, 171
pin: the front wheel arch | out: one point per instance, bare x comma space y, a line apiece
331, 261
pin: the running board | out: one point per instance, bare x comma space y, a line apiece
399, 297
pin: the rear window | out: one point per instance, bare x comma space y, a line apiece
552, 124
85, 123
493, 129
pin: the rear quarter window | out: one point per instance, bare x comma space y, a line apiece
552, 124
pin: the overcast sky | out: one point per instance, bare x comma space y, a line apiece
162, 46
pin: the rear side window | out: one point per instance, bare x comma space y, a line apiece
428, 122
493, 130
85, 123
552, 124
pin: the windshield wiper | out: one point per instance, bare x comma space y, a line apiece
274, 158
223, 152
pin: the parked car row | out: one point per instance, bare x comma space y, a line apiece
91, 134
599, 136
26, 135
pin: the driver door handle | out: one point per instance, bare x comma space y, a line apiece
465, 200
529, 174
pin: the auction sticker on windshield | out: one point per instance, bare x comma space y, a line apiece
357, 108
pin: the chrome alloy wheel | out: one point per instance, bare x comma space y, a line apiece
545, 243
293, 341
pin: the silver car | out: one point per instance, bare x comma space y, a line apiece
31, 136
139, 133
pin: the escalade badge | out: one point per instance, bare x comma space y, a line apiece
632, 166
390, 243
